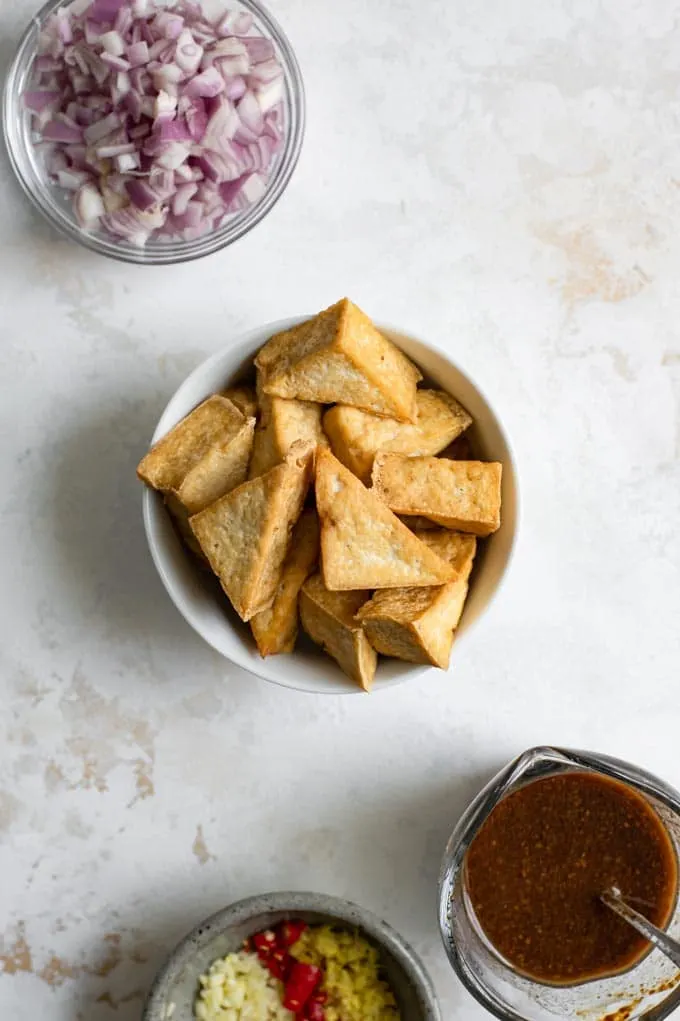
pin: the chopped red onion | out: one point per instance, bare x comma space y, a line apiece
40, 99
89, 206
187, 173
107, 152
207, 84
174, 131
163, 183
182, 196
126, 162
192, 216
234, 87
161, 121
138, 53
105, 10
64, 28
139, 131
101, 128
141, 194
250, 113
123, 20
117, 63
168, 25
269, 96
221, 126
173, 156
188, 53
197, 120
71, 180
113, 43
259, 49
267, 71
58, 131
235, 23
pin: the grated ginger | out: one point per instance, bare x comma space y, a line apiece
351, 974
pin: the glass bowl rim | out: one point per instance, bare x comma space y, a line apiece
172, 252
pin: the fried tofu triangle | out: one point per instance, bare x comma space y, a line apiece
418, 624
221, 469
282, 422
338, 356
244, 398
356, 436
213, 423
463, 495
328, 619
275, 630
363, 544
245, 535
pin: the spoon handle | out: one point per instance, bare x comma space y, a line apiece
665, 943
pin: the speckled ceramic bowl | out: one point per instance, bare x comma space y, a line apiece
174, 991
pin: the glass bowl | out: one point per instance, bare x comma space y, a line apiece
55, 204
648, 990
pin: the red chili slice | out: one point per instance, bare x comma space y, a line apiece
314, 1011
278, 964
304, 978
264, 943
290, 932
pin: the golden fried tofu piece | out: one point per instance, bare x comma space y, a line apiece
222, 468
245, 535
363, 544
282, 423
418, 624
356, 436
328, 619
338, 356
463, 495
244, 398
215, 422
275, 630
180, 516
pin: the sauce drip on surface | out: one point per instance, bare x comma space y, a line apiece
536, 869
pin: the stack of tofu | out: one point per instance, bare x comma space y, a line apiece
316, 496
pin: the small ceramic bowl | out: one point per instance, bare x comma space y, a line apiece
201, 601
174, 991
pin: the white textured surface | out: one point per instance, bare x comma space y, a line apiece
501, 177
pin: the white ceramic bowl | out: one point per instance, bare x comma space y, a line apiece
199, 598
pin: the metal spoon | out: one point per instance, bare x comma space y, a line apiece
666, 944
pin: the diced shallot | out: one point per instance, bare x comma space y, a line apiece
41, 99
182, 197
137, 53
71, 180
89, 205
160, 120
188, 54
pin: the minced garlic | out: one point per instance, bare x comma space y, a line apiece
351, 974
238, 988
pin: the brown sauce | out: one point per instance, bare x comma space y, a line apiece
536, 869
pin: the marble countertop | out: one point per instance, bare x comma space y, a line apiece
502, 178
